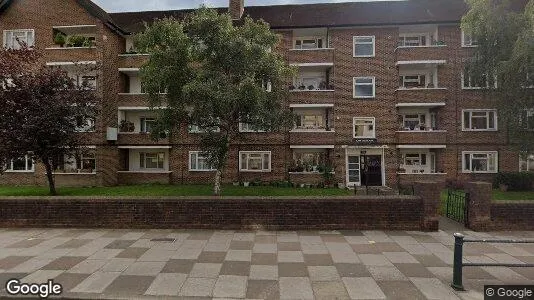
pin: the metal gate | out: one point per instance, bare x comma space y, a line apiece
457, 206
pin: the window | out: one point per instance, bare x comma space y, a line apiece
468, 40
14, 39
310, 121
479, 162
417, 159
364, 128
246, 127
254, 161
85, 124
147, 124
470, 82
309, 43
364, 46
419, 162
364, 87
151, 160
413, 81
197, 129
23, 164
414, 121
77, 162
198, 162
527, 119
411, 40
526, 164
308, 161
479, 120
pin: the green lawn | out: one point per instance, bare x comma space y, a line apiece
173, 190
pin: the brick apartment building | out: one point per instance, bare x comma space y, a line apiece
379, 84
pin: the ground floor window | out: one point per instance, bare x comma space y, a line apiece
197, 162
418, 162
479, 162
255, 161
152, 160
308, 161
526, 164
23, 164
83, 161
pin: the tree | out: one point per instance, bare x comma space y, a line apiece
504, 60
38, 111
215, 75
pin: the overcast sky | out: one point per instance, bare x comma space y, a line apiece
136, 5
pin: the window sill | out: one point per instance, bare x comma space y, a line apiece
255, 171
146, 172
413, 131
202, 171
309, 173
311, 49
311, 130
312, 91
94, 173
18, 172
69, 48
479, 172
133, 54
430, 46
480, 130
400, 173
419, 89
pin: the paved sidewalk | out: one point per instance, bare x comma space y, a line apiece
128, 264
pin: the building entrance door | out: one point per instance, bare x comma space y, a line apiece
371, 171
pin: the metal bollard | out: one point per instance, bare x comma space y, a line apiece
457, 267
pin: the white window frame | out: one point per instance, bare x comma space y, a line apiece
248, 153
471, 87
521, 161
197, 158
72, 159
470, 45
366, 119
142, 162
143, 122
26, 31
487, 153
195, 129
524, 119
245, 128
354, 87
465, 127
315, 38
90, 125
10, 165
354, 38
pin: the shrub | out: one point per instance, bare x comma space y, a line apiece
515, 181
60, 39
76, 41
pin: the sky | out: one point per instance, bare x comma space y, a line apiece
140, 5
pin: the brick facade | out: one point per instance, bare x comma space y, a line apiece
42, 15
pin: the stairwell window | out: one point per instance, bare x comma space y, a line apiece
152, 160
479, 120
364, 128
480, 162
468, 40
15, 39
364, 46
251, 161
526, 164
197, 162
364, 87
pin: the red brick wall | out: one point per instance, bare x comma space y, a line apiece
387, 212
512, 216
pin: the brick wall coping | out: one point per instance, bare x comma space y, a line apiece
211, 198
513, 202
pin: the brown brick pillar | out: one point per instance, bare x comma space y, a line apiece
479, 205
430, 196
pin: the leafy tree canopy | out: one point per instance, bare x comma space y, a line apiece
216, 75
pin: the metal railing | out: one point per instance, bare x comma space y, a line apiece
457, 205
458, 264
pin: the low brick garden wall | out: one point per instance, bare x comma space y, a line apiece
395, 213
486, 215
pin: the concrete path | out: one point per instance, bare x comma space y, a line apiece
126, 264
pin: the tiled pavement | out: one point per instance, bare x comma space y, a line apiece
125, 264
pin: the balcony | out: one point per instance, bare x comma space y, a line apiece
144, 164
135, 125
313, 125
421, 137
420, 42
316, 55
132, 60
420, 124
73, 43
313, 79
310, 162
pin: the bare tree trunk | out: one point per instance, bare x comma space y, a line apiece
50, 177
217, 184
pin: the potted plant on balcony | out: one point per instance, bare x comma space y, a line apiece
322, 85
302, 87
60, 39
76, 41
126, 126
291, 87
401, 170
311, 87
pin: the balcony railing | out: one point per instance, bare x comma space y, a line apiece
421, 137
